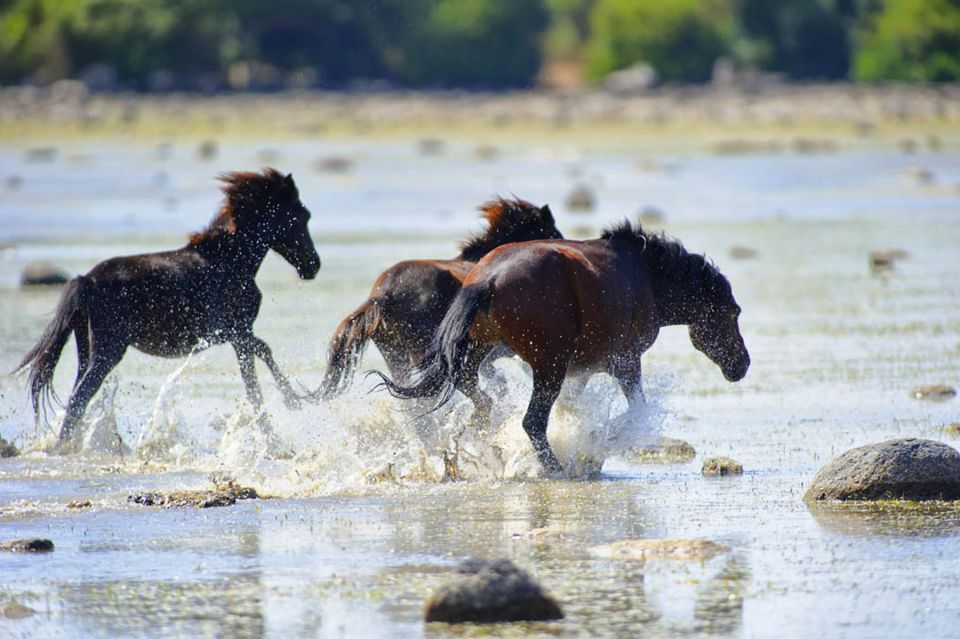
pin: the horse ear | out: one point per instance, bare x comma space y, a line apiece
288, 181
547, 213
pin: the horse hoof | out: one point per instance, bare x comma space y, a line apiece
293, 403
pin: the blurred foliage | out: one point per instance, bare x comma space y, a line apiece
681, 39
470, 43
804, 39
912, 41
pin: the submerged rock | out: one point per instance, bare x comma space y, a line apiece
915, 469
721, 466
43, 274
14, 610
742, 252
32, 544
649, 549
885, 260
226, 495
490, 591
934, 392
581, 199
666, 451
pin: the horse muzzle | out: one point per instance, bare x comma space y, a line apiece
308, 269
738, 371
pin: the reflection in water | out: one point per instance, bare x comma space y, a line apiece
889, 518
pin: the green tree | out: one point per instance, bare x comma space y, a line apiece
473, 43
806, 39
912, 41
681, 39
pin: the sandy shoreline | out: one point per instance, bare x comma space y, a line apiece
844, 110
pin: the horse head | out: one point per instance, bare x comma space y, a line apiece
509, 221
288, 234
716, 330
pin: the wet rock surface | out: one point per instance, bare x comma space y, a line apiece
650, 549
667, 451
222, 495
491, 591
914, 469
721, 467
32, 544
43, 274
13, 610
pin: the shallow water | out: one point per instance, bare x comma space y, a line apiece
363, 525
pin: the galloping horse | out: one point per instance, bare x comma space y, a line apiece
169, 303
410, 298
581, 307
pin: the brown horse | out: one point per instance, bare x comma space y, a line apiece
410, 298
170, 303
569, 307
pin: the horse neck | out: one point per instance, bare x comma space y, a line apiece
242, 252
678, 294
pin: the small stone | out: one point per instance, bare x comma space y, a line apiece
42, 274
651, 216
666, 549
813, 145
32, 544
334, 164
915, 469
486, 152
41, 154
208, 150
884, 260
952, 429
743, 253
581, 199
80, 504
666, 451
721, 467
431, 146
934, 392
491, 591
13, 610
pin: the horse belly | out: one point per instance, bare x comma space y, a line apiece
175, 331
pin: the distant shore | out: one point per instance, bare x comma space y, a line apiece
851, 111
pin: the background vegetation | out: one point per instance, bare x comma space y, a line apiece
268, 44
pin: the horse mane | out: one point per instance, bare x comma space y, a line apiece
505, 219
241, 189
668, 255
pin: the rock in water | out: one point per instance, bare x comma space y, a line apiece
721, 466
42, 274
490, 592
666, 451
916, 469
934, 392
581, 199
670, 549
33, 544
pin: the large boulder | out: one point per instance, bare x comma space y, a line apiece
916, 469
490, 592
31, 544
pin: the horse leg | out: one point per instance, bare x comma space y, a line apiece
629, 377
248, 372
82, 337
546, 388
261, 350
100, 361
469, 384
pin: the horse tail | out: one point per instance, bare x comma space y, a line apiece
43, 357
441, 368
347, 346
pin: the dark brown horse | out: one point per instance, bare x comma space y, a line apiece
170, 303
409, 300
569, 307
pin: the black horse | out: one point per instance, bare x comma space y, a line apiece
170, 303
568, 307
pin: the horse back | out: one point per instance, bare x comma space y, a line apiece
582, 300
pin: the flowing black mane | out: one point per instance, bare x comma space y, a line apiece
669, 256
243, 190
508, 220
